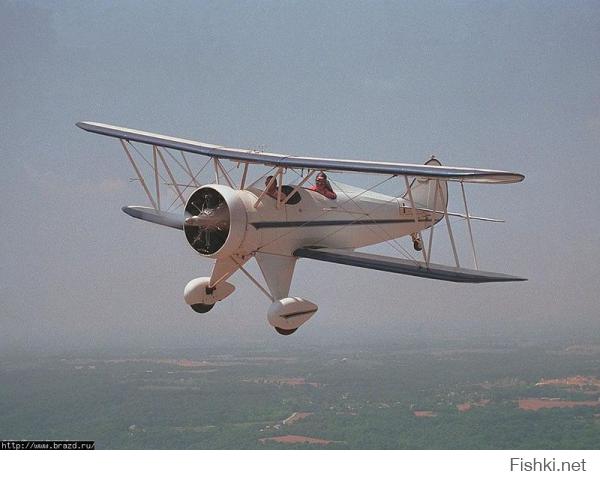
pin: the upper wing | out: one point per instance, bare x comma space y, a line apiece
406, 267
472, 175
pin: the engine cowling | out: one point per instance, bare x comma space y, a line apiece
215, 221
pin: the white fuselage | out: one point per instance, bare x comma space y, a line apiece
317, 221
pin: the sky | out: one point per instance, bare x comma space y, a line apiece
504, 85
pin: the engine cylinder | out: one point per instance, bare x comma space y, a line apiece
215, 221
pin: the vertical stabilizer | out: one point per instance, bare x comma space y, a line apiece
424, 192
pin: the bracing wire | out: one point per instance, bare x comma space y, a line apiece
325, 213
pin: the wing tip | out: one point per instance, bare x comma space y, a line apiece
518, 177
83, 125
497, 177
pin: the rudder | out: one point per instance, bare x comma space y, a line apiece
423, 192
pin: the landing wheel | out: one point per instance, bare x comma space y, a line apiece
202, 307
282, 331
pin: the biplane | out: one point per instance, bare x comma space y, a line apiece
232, 219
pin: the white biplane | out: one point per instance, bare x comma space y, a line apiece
232, 219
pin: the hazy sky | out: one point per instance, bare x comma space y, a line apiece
507, 85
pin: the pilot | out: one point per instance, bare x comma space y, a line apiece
324, 187
272, 190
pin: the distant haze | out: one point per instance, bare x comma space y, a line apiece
506, 85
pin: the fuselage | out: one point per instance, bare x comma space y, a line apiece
347, 222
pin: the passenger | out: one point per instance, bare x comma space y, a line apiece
324, 187
272, 190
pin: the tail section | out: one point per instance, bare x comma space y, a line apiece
424, 194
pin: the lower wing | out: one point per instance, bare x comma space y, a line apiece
406, 267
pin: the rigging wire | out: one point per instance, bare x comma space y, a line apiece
193, 179
324, 213
359, 218
391, 242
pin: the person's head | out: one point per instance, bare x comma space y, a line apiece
268, 180
321, 180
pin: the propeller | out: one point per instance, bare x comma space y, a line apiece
206, 223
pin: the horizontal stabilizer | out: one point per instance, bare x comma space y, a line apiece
168, 219
406, 267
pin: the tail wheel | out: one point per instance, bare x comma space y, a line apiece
417, 242
283, 331
202, 307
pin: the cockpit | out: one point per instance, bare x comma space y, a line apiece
322, 186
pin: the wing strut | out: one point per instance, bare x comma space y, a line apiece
175, 185
139, 174
189, 169
462, 186
219, 166
449, 229
244, 174
279, 186
155, 168
432, 222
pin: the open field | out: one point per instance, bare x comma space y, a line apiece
467, 397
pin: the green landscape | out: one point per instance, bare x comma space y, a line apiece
451, 395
